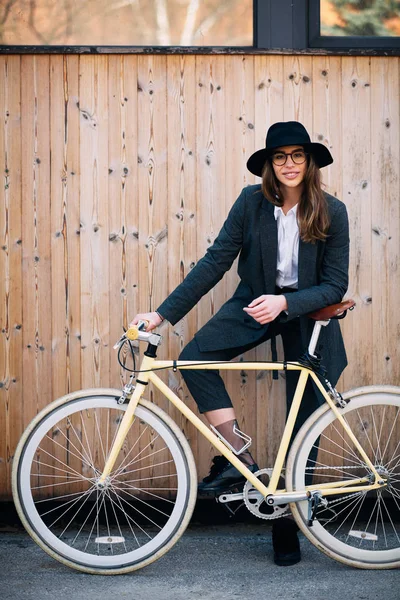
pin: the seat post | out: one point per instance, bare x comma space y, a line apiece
315, 335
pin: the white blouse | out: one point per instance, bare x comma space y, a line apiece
288, 247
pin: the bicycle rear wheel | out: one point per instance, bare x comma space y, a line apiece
361, 529
147, 501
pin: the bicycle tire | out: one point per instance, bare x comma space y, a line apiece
137, 518
360, 529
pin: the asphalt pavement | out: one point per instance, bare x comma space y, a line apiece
210, 562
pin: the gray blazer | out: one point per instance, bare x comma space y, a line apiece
251, 230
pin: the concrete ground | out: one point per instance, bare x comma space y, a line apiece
210, 562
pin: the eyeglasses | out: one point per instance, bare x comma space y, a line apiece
298, 157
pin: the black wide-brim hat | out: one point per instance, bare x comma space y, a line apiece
289, 133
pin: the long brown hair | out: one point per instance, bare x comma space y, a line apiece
312, 213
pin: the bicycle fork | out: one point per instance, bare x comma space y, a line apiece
127, 420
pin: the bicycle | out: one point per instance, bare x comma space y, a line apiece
132, 479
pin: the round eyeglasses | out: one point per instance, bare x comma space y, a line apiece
298, 157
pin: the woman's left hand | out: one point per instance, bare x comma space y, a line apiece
266, 308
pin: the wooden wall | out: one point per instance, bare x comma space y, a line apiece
118, 172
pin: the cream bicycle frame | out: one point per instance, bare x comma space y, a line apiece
147, 375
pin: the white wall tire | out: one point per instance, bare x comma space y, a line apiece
373, 413
141, 518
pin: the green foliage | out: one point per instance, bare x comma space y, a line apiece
364, 17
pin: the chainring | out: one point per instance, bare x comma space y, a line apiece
258, 506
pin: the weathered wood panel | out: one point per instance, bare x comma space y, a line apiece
11, 424
118, 172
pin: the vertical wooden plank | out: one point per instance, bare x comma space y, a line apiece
385, 231
65, 224
182, 212
271, 403
211, 186
268, 83
326, 89
356, 157
240, 143
123, 204
35, 111
10, 268
298, 101
153, 185
93, 106
326, 77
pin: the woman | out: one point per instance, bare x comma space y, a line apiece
293, 242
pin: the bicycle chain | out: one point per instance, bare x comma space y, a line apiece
330, 502
282, 510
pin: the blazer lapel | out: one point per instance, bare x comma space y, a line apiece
307, 260
269, 248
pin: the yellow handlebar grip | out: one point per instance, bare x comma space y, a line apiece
132, 333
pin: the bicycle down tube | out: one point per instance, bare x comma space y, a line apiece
147, 374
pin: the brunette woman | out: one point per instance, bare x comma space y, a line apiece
293, 245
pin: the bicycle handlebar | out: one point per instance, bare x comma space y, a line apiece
137, 333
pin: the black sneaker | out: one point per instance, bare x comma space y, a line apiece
285, 542
222, 477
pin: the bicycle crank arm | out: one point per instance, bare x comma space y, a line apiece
278, 499
224, 498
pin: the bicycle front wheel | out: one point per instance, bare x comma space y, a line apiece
148, 498
361, 529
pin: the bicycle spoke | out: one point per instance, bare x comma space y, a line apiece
352, 502
68, 469
390, 435
145, 503
134, 488
41, 487
345, 441
131, 519
73, 517
100, 438
119, 505
83, 524
87, 439
71, 425
96, 522
379, 512
143, 515
70, 502
390, 519
122, 467
80, 458
116, 519
160, 464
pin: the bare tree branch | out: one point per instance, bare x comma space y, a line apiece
163, 35
210, 21
31, 23
187, 33
6, 12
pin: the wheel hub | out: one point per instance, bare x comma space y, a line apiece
102, 486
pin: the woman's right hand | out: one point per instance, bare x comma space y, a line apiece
153, 319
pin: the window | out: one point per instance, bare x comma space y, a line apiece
354, 23
126, 22
201, 26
